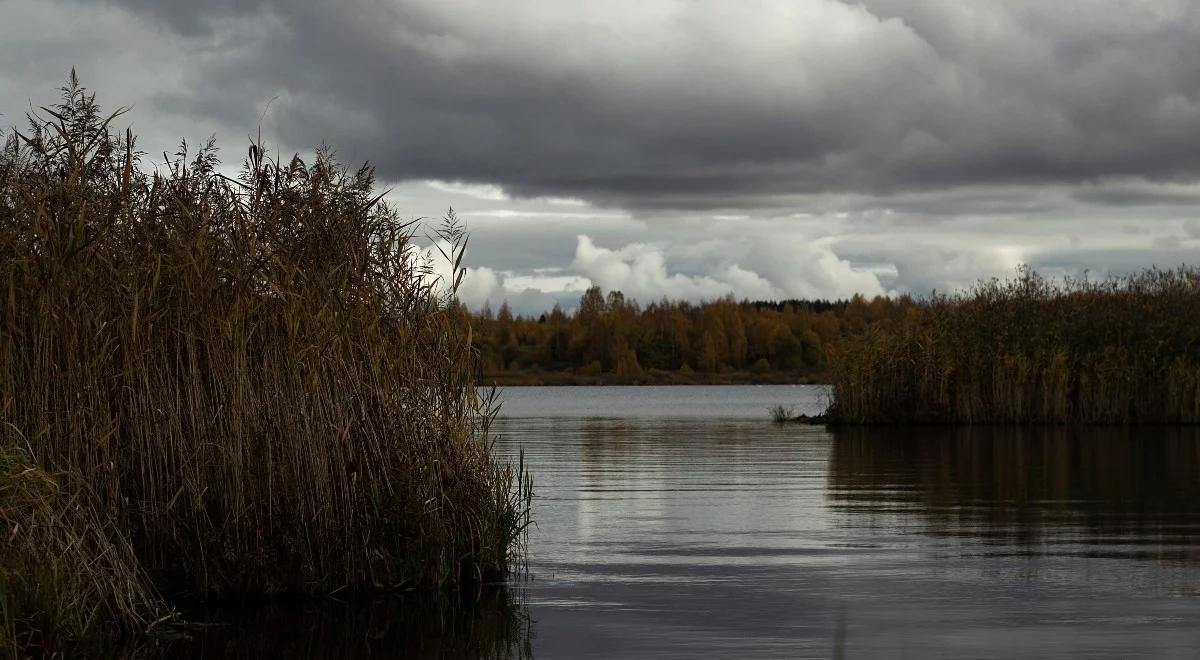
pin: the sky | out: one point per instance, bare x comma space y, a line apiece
687, 149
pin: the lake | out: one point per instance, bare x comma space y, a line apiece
679, 522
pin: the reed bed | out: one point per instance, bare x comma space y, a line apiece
215, 386
1030, 351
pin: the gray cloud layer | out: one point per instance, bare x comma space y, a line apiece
886, 144
664, 103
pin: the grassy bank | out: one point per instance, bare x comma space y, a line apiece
1026, 350
216, 386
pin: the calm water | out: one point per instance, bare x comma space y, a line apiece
679, 522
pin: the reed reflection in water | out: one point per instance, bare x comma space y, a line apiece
1097, 492
493, 625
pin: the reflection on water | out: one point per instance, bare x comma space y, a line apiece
492, 625
1103, 492
718, 534
681, 523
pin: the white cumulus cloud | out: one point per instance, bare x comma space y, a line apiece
781, 269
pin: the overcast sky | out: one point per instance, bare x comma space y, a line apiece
688, 148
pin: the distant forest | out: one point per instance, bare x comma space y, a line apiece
610, 339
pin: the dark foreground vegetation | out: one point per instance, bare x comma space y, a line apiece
215, 387
1026, 350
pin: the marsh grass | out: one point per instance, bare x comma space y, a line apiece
219, 386
781, 414
1026, 350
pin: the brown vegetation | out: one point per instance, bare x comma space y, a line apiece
611, 340
1026, 350
1118, 351
220, 386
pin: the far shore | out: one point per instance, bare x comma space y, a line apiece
654, 377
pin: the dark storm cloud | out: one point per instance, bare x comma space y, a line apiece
189, 18
663, 104
1138, 195
775, 148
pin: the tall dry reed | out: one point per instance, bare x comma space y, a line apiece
219, 386
1026, 350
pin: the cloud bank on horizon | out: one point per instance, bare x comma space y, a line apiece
691, 148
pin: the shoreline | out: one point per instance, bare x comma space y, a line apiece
565, 378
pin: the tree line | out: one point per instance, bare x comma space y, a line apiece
610, 335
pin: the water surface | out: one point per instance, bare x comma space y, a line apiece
678, 522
